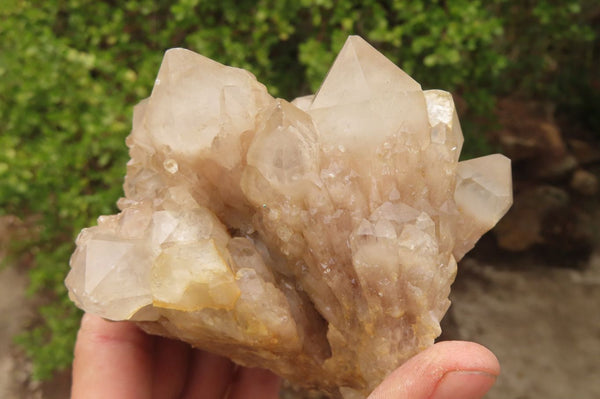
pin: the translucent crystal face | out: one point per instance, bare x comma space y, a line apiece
365, 99
317, 238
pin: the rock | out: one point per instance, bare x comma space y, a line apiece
584, 152
567, 237
584, 182
530, 136
553, 168
521, 228
528, 130
545, 221
317, 238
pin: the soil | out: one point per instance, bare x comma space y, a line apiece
541, 322
18, 312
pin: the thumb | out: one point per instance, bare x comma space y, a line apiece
447, 370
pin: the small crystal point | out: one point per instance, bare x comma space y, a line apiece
304, 102
194, 78
359, 73
102, 258
483, 195
285, 149
222, 104
192, 276
366, 95
316, 238
445, 126
484, 188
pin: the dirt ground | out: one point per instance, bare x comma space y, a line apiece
542, 322
13, 373
15, 370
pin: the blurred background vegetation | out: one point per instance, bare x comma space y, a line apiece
72, 70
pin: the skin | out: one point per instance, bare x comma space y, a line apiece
117, 360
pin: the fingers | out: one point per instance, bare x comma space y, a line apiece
209, 376
112, 360
255, 383
171, 361
447, 370
117, 360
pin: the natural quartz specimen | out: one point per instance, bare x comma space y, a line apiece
317, 238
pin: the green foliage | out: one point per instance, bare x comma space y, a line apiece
553, 53
544, 40
71, 71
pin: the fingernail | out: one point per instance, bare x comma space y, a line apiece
464, 385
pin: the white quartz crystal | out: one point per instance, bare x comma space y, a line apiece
317, 238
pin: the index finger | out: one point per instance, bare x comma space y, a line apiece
112, 360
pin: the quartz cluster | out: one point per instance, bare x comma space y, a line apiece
317, 238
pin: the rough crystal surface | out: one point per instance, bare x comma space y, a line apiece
317, 238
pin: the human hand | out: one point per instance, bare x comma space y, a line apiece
117, 360
447, 370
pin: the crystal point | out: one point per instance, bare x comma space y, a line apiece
366, 95
316, 238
